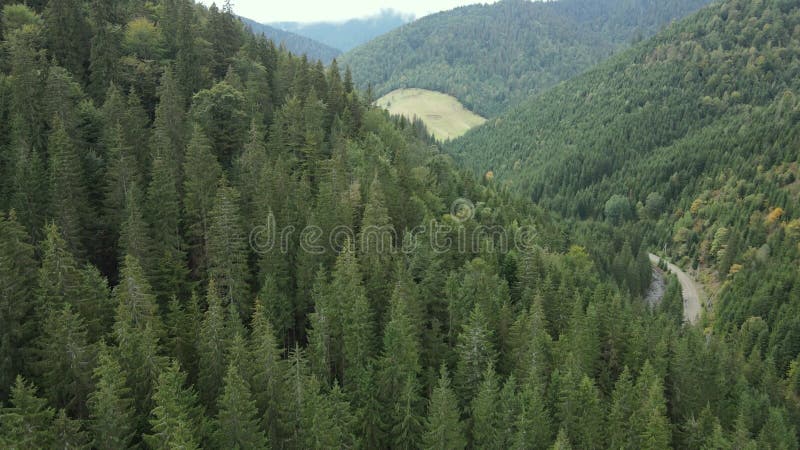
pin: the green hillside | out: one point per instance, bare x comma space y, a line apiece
209, 242
491, 57
695, 134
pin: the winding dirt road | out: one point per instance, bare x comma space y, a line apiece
692, 291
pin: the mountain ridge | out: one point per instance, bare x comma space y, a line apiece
492, 56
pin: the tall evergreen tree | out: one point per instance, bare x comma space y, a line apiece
163, 213
237, 419
486, 415
444, 429
268, 373
212, 349
65, 360
70, 208
111, 410
580, 412
202, 173
138, 330
375, 249
27, 423
17, 281
176, 415
475, 354
227, 251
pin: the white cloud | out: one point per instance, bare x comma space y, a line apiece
335, 10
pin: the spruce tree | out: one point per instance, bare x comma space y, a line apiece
227, 251
70, 209
176, 417
443, 429
580, 412
201, 175
111, 409
475, 354
68, 433
376, 241
138, 331
27, 423
623, 404
163, 214
237, 420
17, 281
170, 133
485, 412
533, 423
65, 360
212, 349
268, 375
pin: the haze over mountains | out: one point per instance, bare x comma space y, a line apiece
348, 34
295, 43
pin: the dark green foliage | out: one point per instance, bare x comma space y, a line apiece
443, 428
17, 281
27, 422
237, 424
493, 56
208, 242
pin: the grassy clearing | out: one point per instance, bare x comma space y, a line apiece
443, 114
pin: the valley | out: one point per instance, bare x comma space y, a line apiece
444, 116
212, 235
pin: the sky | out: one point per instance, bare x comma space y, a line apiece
266, 11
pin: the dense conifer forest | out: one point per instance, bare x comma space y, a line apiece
698, 148
491, 57
208, 242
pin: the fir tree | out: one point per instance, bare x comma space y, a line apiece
227, 250
237, 420
202, 172
163, 212
111, 411
268, 373
444, 429
27, 423
212, 349
475, 354
17, 281
65, 360
485, 412
176, 415
70, 203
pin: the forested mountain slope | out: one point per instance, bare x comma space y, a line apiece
295, 43
351, 33
206, 242
491, 57
695, 133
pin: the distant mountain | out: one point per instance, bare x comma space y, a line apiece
299, 45
694, 134
350, 34
491, 57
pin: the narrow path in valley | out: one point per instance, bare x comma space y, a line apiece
692, 291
